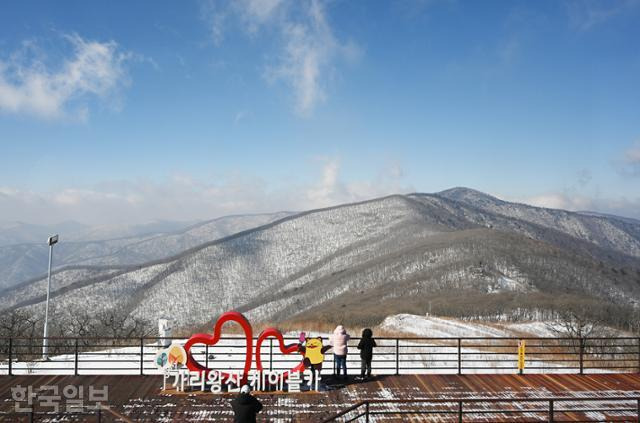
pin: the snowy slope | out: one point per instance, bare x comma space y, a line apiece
435, 327
609, 232
21, 262
397, 252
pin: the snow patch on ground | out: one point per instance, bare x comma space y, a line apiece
542, 329
437, 327
506, 284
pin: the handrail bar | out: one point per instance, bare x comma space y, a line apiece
491, 400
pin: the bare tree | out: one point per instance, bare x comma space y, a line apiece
117, 323
20, 324
581, 325
577, 324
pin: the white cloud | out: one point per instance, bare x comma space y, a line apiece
632, 155
240, 116
307, 48
629, 164
182, 197
326, 191
331, 190
559, 201
621, 206
509, 49
257, 12
308, 51
94, 69
577, 196
251, 14
587, 14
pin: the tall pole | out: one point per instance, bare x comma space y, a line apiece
46, 313
45, 342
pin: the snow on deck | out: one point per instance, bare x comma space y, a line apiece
140, 398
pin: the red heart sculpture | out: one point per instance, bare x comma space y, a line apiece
203, 338
288, 349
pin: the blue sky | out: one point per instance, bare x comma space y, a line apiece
134, 111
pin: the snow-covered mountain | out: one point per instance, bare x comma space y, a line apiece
113, 246
459, 251
607, 232
13, 233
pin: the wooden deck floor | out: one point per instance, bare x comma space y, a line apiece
139, 398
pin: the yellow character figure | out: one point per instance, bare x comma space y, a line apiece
313, 351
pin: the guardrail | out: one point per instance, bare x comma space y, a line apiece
94, 415
499, 409
392, 356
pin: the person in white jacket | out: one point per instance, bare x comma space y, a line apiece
339, 341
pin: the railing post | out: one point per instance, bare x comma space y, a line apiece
459, 411
333, 364
520, 354
98, 414
206, 356
75, 359
397, 356
271, 354
141, 356
10, 356
550, 419
366, 411
639, 358
31, 416
582, 342
459, 356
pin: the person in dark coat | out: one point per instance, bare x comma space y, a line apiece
245, 406
365, 346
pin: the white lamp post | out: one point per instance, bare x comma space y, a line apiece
45, 347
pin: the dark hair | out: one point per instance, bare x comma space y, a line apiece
367, 333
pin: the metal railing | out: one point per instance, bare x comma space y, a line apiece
33, 416
391, 356
554, 409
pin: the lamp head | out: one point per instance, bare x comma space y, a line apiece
52, 239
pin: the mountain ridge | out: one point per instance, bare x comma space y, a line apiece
429, 244
26, 262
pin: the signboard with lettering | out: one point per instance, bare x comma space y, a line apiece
180, 364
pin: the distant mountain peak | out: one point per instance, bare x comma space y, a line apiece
467, 194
